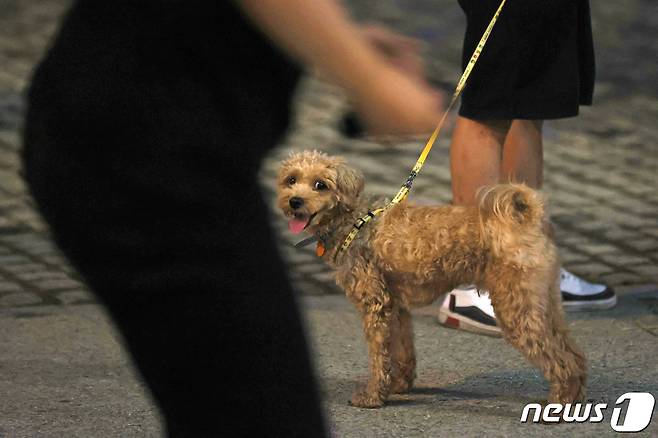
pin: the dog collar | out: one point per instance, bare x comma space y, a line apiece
321, 246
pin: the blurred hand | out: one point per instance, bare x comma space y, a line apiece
401, 51
381, 70
398, 100
396, 105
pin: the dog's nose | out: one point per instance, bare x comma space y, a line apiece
296, 202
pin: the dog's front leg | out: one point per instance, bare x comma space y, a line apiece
377, 320
404, 356
366, 287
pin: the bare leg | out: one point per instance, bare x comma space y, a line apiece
476, 154
404, 355
523, 155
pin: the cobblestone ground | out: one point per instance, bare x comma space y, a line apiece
601, 168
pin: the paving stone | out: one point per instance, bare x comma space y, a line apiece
18, 237
311, 288
23, 268
653, 255
616, 234
58, 284
619, 278
599, 248
650, 271
42, 275
617, 259
55, 260
590, 226
326, 277
591, 270
19, 299
568, 257
75, 297
639, 189
311, 268
596, 191
9, 138
651, 231
13, 259
9, 286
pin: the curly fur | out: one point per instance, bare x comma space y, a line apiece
411, 255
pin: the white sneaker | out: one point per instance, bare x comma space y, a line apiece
467, 309
578, 294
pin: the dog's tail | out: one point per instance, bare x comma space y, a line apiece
512, 204
510, 212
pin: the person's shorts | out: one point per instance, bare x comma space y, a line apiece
537, 64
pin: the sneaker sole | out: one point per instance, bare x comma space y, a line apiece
573, 306
459, 322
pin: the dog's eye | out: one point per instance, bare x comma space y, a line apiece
291, 180
320, 185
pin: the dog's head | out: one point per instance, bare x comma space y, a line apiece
313, 187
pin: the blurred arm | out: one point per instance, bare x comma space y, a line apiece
319, 34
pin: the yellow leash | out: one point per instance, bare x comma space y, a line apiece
406, 187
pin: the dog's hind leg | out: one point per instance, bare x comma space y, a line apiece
531, 317
569, 386
404, 355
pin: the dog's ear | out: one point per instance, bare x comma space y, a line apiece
349, 182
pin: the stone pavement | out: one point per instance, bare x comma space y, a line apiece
62, 371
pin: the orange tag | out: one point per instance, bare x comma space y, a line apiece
319, 249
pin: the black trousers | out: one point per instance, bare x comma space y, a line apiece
146, 124
194, 284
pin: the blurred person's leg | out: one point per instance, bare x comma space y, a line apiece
214, 329
180, 251
220, 344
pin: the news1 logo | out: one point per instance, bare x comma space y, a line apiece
639, 412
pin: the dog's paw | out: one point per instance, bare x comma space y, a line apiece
364, 399
400, 386
570, 391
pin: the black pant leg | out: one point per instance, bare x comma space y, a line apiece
213, 329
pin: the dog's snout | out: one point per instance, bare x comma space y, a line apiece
296, 202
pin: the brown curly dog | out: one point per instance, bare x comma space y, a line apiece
410, 255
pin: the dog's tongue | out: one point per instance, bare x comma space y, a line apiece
296, 226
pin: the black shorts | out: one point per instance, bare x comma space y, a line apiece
537, 64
